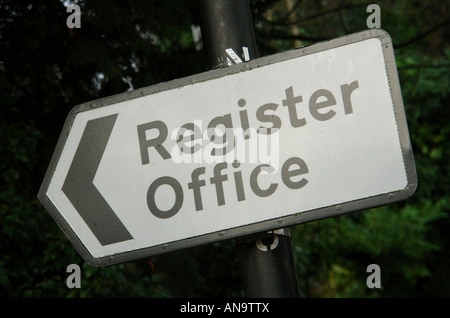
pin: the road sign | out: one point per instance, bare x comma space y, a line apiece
281, 140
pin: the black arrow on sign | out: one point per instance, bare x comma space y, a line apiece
81, 191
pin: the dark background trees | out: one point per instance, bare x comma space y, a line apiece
47, 68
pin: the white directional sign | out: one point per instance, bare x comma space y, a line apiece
277, 141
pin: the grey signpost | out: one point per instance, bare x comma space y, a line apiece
136, 174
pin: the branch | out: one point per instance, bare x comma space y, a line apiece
312, 16
422, 66
423, 35
297, 37
287, 17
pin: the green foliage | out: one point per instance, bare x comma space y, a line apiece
46, 69
333, 254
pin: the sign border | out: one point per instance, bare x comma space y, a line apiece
268, 225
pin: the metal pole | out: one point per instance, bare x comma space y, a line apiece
225, 25
268, 266
267, 262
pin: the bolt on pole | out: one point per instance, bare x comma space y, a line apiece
267, 262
